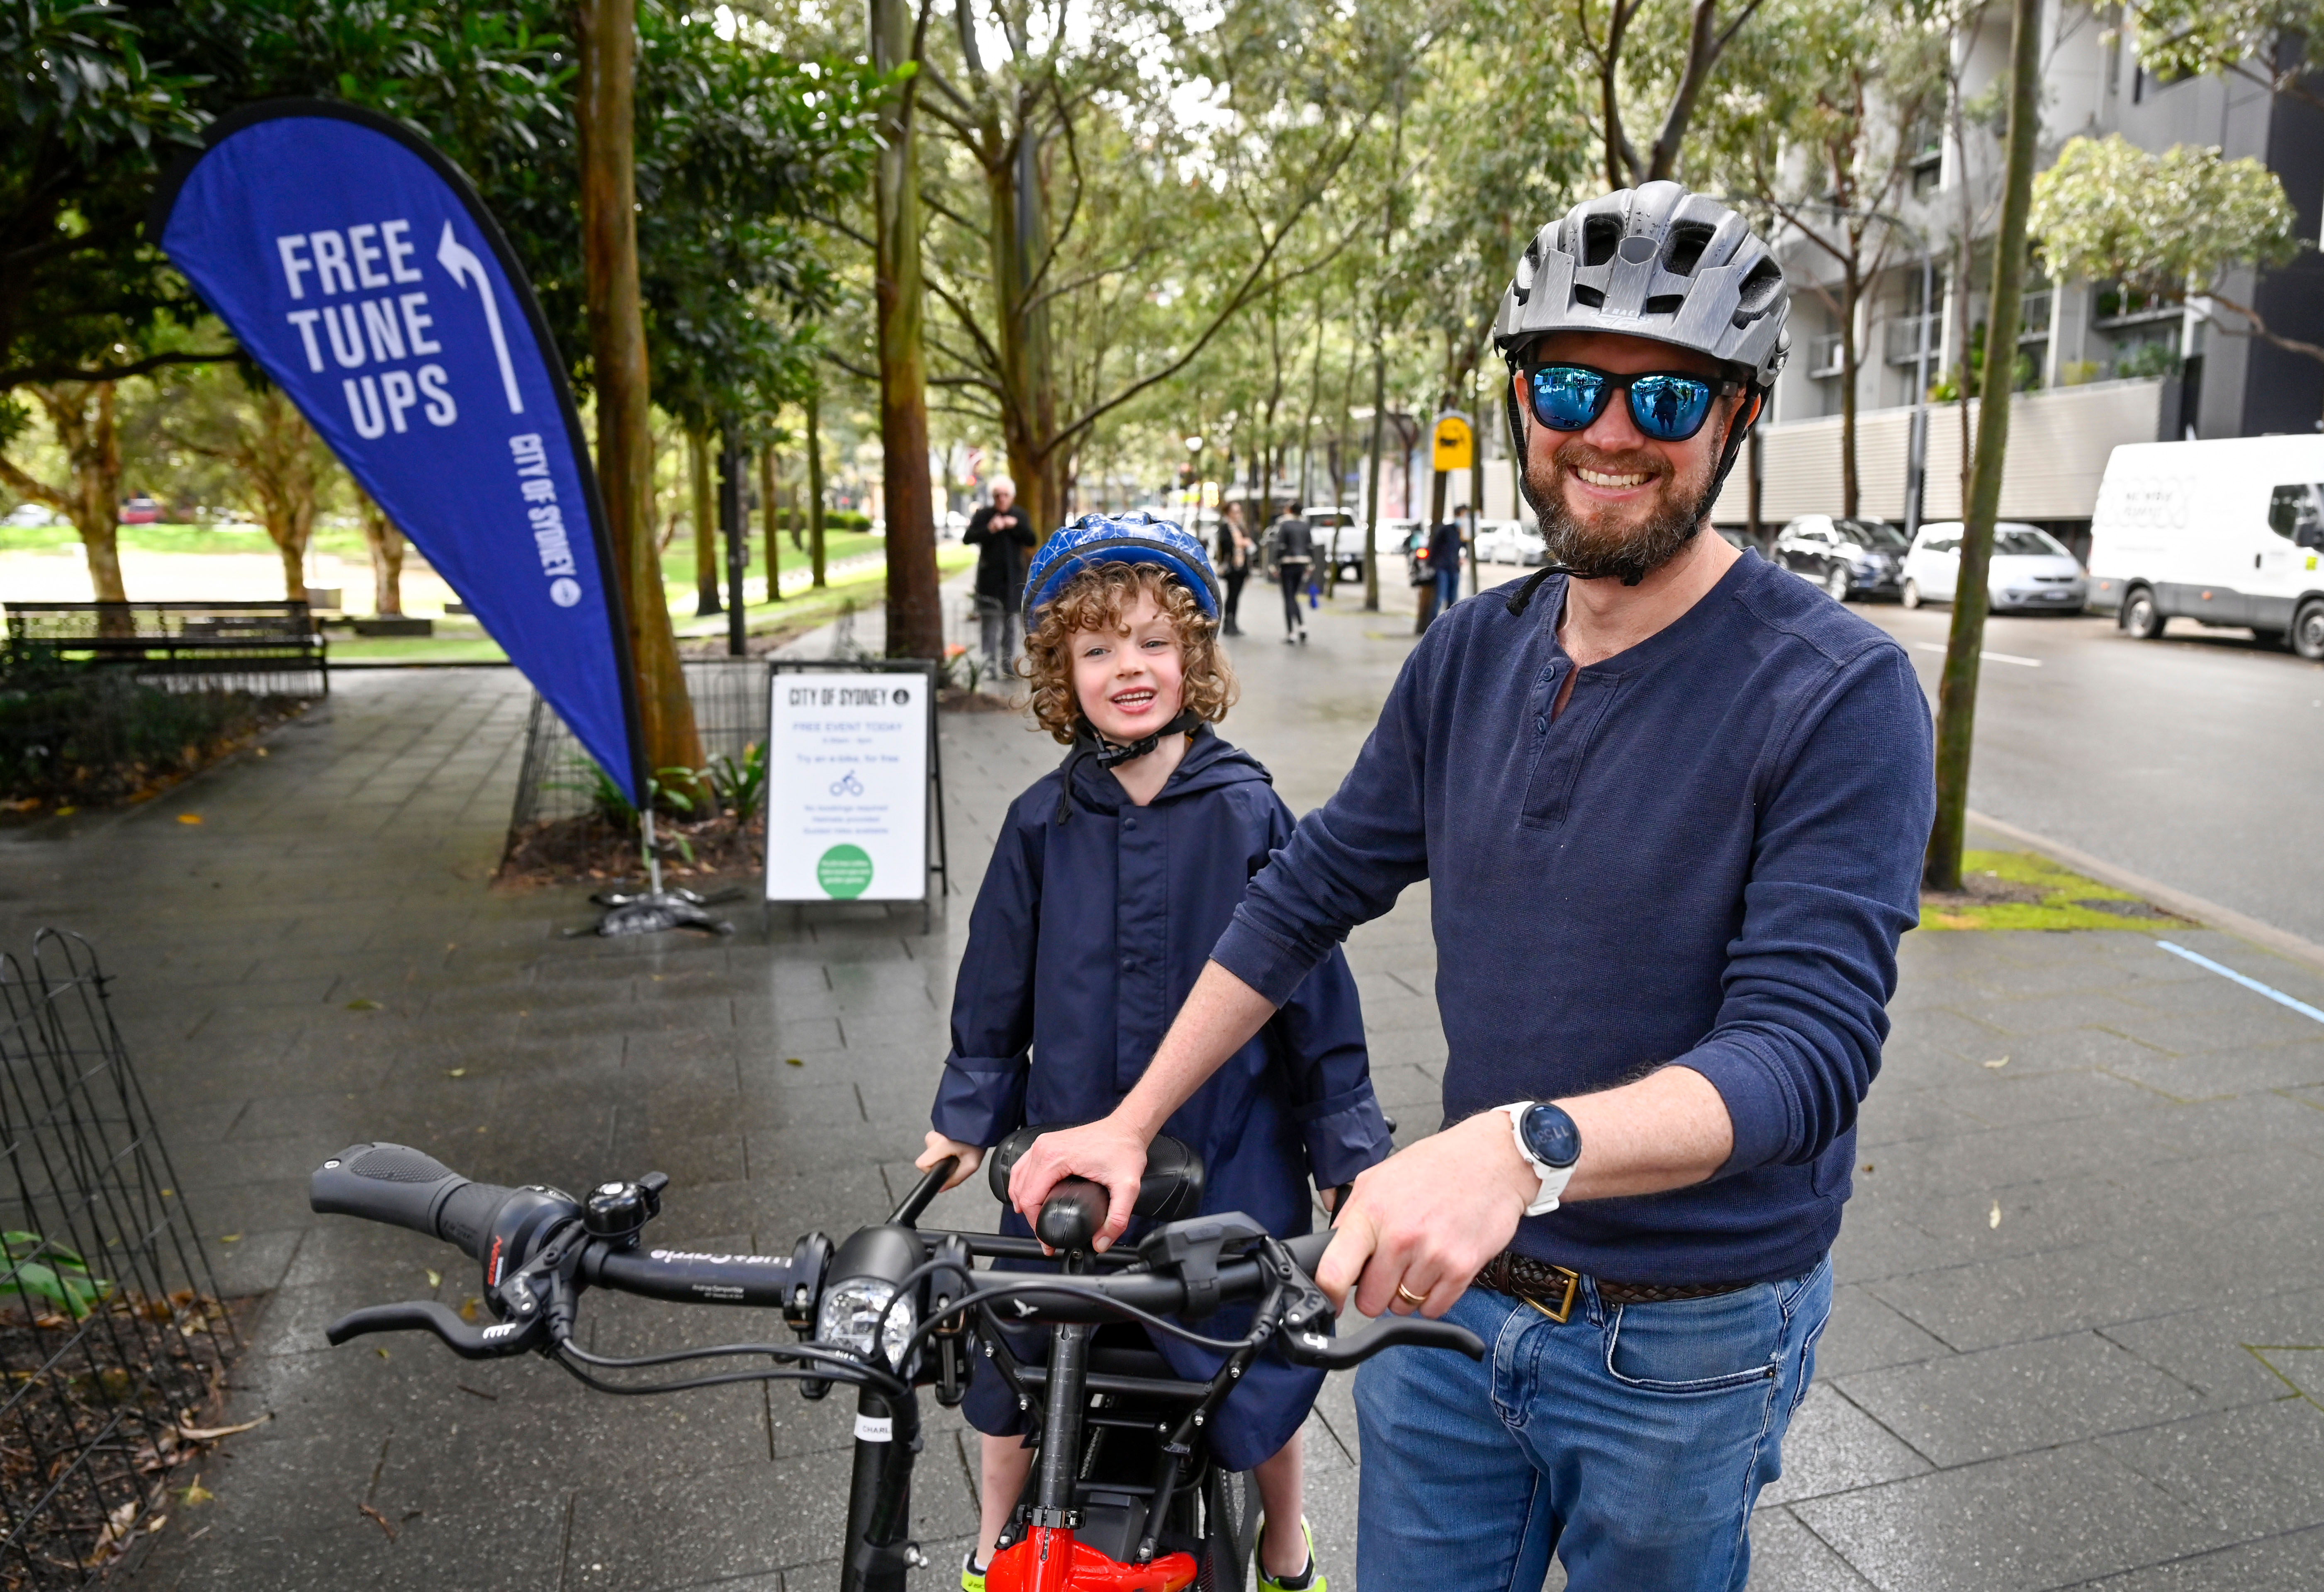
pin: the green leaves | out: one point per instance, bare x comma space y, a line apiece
50, 1273
2161, 224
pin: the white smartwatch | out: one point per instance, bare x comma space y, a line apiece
1550, 1143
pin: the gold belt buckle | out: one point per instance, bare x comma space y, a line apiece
1565, 1305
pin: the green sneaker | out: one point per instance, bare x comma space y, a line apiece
972, 1579
1310, 1580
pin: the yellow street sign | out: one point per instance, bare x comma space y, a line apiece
1455, 444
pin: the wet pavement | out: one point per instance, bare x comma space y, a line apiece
2078, 1338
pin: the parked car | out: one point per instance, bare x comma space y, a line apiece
140, 510
2031, 573
1847, 557
1510, 541
2226, 531
27, 514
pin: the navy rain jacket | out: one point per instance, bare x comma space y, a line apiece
1087, 935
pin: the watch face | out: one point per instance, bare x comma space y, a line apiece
1550, 1134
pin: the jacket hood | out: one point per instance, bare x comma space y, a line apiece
1211, 763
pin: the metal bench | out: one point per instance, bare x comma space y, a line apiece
273, 649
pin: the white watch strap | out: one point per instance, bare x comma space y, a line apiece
1554, 1179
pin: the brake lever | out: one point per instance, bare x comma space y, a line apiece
1308, 1347
425, 1315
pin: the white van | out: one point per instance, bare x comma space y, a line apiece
2225, 532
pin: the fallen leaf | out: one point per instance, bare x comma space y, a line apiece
362, 1003
210, 1434
1995, 1219
382, 1519
381, 1353
1993, 1065
468, 1308
67, 811
793, 1061
455, 1072
1867, 1166
480, 1393
196, 1494
435, 1279
231, 1238
154, 1526
260, 751
190, 817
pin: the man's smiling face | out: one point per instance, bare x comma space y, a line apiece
1613, 501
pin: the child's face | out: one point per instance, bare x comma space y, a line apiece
1130, 681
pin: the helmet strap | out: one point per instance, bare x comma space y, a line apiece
1738, 432
1090, 746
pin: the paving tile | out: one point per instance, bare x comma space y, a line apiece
2006, 1400
2035, 1521
2257, 1471
1866, 1334
1834, 1446
2288, 1563
1787, 1557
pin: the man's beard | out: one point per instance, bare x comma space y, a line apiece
1604, 549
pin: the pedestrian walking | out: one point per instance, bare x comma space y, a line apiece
1235, 551
1444, 566
1294, 540
1002, 538
1665, 942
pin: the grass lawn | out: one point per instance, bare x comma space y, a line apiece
462, 640
2026, 891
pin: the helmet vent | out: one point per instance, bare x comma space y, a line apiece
1601, 237
1666, 303
1687, 243
1759, 290
1591, 298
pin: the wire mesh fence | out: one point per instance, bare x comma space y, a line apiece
112, 1338
560, 781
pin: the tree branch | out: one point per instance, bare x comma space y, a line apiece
19, 375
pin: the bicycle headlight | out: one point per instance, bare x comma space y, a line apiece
859, 1287
853, 1312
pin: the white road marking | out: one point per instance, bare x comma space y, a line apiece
2031, 663
2277, 996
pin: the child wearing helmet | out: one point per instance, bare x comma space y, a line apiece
1114, 875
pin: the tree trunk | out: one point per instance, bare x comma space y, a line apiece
283, 460
771, 479
815, 486
915, 609
80, 413
1849, 486
706, 544
605, 118
1957, 698
386, 544
1372, 495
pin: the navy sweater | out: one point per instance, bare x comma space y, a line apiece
1706, 858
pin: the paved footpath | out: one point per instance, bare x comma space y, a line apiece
2078, 1338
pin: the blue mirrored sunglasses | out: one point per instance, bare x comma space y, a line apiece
1668, 405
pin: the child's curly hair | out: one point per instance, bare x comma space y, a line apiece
1098, 599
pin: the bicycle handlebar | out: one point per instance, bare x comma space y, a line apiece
407, 1188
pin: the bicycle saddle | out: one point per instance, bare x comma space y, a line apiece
1171, 1189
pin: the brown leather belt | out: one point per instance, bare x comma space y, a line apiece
1552, 1289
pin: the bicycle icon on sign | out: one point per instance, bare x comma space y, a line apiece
847, 784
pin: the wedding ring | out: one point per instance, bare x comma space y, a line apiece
1409, 1297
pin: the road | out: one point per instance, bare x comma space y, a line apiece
2175, 759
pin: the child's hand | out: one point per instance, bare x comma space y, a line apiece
970, 1157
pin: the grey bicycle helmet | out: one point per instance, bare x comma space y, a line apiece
1652, 262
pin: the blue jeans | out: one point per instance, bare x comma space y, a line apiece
1448, 588
1632, 1442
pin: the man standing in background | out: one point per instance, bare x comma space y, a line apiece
1002, 538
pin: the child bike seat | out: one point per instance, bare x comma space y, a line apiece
1171, 1189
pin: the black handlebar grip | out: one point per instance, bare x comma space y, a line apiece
405, 1188
1072, 1215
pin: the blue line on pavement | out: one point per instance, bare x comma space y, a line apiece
2277, 996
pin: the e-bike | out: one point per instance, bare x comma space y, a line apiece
1123, 1494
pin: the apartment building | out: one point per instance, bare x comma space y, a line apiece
2101, 368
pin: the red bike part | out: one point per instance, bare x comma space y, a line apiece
1051, 1560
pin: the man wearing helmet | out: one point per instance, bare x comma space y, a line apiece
1671, 803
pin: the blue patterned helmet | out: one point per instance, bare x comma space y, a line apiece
1134, 538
